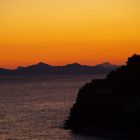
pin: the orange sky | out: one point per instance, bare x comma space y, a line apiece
66, 31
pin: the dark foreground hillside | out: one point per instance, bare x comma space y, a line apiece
110, 105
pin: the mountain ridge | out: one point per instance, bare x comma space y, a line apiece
73, 68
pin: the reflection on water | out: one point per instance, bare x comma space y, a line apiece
35, 108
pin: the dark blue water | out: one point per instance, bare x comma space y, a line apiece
35, 108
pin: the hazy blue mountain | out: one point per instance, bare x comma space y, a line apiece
107, 65
74, 68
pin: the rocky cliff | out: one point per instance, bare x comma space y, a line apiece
111, 104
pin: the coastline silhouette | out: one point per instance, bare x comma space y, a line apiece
75, 68
110, 105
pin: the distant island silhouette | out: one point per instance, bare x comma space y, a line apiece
75, 68
109, 106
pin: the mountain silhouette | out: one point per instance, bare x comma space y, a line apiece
109, 106
106, 65
74, 68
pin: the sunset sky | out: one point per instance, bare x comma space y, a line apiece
66, 31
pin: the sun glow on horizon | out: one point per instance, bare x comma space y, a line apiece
66, 31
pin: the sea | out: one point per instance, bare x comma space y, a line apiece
36, 107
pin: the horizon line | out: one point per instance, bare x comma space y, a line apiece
16, 67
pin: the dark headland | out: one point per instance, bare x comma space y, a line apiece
109, 106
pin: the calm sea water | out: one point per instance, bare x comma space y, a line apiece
35, 108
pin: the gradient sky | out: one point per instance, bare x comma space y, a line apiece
66, 31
